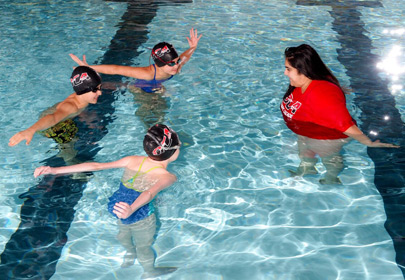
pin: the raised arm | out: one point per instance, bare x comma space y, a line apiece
124, 210
111, 69
193, 42
78, 61
82, 167
357, 134
43, 123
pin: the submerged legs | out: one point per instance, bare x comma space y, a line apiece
334, 165
328, 151
137, 239
307, 166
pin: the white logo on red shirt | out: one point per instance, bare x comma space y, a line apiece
290, 105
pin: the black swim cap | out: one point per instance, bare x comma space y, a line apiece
161, 142
163, 53
84, 79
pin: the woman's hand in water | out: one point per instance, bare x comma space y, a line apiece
194, 38
42, 170
378, 144
357, 134
78, 61
122, 210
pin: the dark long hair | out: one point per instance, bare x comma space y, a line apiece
308, 62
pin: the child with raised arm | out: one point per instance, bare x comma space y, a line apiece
144, 177
167, 63
56, 122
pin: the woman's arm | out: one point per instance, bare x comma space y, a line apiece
143, 73
82, 167
124, 210
193, 42
357, 134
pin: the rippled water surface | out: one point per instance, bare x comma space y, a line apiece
234, 212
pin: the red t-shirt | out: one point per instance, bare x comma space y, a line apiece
319, 113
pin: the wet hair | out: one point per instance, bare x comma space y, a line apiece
84, 79
308, 62
161, 142
163, 53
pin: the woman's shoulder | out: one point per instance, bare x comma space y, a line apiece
326, 92
318, 87
319, 84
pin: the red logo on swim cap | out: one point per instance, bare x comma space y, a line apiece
79, 78
162, 51
163, 145
168, 133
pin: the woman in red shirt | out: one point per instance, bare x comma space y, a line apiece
314, 107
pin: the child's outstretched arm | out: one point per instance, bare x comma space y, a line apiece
82, 167
192, 42
43, 123
112, 69
124, 210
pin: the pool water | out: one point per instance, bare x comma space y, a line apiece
234, 212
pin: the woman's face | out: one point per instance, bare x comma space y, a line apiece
296, 79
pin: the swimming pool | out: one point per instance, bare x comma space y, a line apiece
234, 212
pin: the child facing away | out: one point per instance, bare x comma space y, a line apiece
144, 177
56, 122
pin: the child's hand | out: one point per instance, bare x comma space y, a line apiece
122, 210
78, 61
20, 136
194, 38
42, 170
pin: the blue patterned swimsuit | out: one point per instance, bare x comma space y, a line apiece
128, 194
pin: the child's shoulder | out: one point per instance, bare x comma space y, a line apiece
69, 104
134, 159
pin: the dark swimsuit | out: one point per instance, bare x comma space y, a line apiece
150, 85
62, 132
